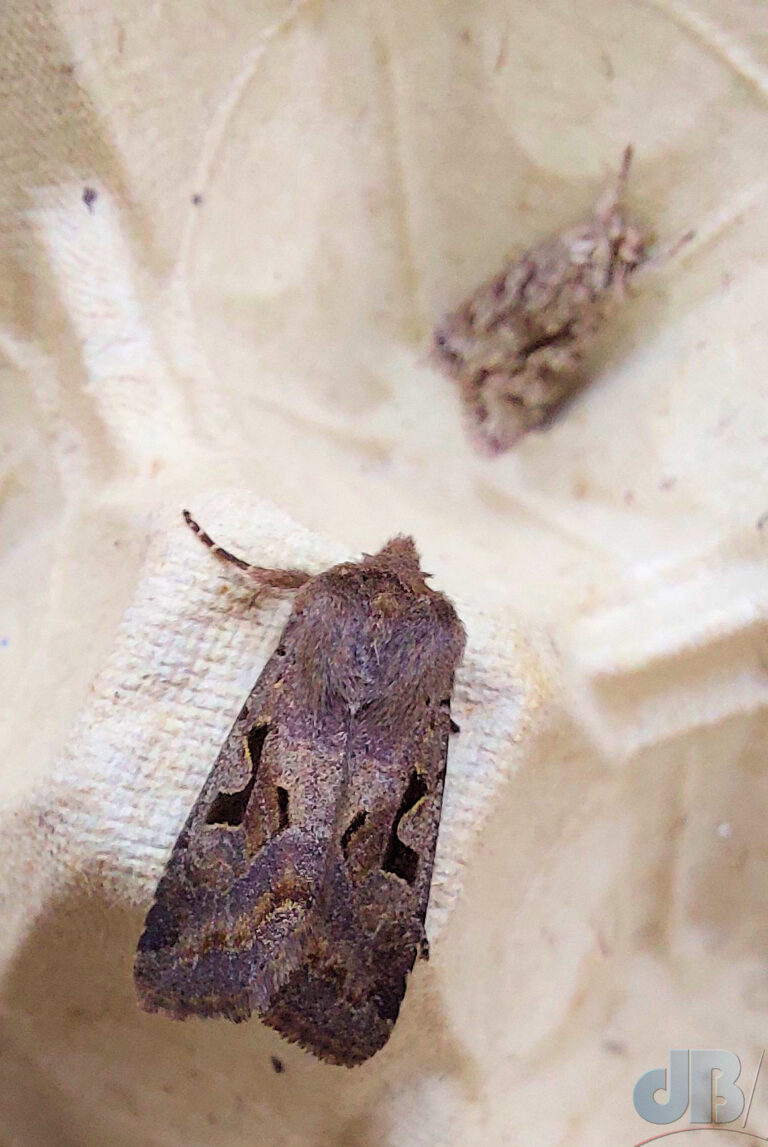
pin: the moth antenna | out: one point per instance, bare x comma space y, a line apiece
658, 258
261, 575
611, 199
626, 163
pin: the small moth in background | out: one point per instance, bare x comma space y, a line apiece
298, 887
515, 348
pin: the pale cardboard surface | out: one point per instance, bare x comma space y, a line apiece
600, 894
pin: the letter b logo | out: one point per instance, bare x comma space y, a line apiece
692, 1072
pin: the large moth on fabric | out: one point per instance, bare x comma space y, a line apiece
298, 887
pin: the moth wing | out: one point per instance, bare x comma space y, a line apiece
341, 1001
225, 930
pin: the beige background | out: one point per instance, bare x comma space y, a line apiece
601, 887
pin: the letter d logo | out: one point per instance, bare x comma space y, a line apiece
644, 1095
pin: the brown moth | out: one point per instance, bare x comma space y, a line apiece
298, 887
515, 348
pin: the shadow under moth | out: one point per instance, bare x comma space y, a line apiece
297, 889
516, 346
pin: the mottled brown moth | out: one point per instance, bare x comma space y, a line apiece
297, 889
516, 346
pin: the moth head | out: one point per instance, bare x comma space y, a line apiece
631, 247
399, 552
628, 244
